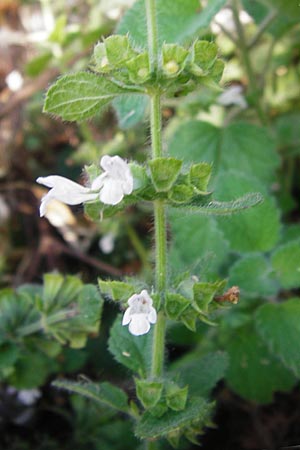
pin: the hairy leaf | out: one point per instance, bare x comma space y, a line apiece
81, 95
131, 351
104, 393
279, 327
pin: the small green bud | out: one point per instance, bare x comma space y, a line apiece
199, 176
217, 70
176, 397
171, 68
118, 50
148, 392
159, 409
100, 58
204, 54
188, 317
139, 68
175, 305
181, 193
173, 57
204, 294
164, 172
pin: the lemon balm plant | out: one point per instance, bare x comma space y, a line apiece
163, 406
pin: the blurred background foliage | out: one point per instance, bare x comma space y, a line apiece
249, 130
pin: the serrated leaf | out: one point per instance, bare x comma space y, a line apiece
253, 275
104, 393
151, 427
201, 373
242, 146
131, 351
196, 240
256, 229
81, 95
286, 263
279, 327
177, 20
253, 372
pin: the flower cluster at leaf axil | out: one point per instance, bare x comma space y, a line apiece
109, 187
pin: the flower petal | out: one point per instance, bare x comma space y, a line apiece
98, 182
64, 190
112, 192
126, 317
139, 325
152, 316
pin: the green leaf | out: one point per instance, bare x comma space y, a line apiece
24, 377
151, 427
38, 64
52, 285
253, 372
131, 351
253, 274
279, 327
242, 146
81, 95
130, 109
116, 290
256, 229
286, 263
201, 373
204, 294
177, 20
9, 353
216, 208
104, 393
197, 239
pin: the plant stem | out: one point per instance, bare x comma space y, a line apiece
155, 124
244, 51
158, 347
262, 27
152, 33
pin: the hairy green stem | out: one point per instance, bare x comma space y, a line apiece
155, 124
152, 33
244, 51
158, 347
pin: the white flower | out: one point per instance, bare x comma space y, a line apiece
115, 182
140, 313
110, 187
233, 96
28, 396
107, 243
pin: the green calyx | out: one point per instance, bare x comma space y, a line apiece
115, 57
